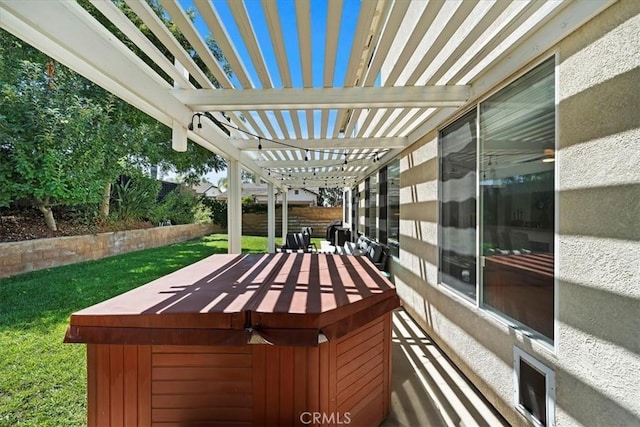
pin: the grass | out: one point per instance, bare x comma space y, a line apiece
42, 380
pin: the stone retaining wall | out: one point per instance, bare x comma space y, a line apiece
32, 255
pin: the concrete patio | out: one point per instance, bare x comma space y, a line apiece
426, 388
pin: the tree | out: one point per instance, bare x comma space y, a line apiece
51, 151
330, 197
196, 161
64, 140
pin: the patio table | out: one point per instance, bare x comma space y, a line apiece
270, 339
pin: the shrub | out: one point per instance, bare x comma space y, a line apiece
179, 207
134, 198
218, 211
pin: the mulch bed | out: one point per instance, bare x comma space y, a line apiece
28, 223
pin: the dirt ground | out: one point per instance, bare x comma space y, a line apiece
28, 223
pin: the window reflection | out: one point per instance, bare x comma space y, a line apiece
458, 156
393, 201
517, 141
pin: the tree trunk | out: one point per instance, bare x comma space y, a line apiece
106, 200
48, 216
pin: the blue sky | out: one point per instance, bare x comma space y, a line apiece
289, 28
348, 24
288, 23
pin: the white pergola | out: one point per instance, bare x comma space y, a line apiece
411, 65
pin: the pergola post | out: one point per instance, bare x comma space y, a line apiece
178, 131
271, 219
285, 216
234, 206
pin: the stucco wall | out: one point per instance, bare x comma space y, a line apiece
598, 162
32, 255
596, 354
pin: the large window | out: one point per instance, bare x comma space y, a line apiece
373, 207
458, 159
517, 143
367, 204
393, 208
510, 166
382, 206
389, 207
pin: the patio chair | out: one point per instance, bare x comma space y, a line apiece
306, 236
295, 242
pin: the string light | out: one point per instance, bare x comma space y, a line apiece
226, 126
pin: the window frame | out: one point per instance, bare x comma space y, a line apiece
390, 218
521, 329
449, 288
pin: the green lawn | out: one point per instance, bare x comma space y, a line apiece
42, 380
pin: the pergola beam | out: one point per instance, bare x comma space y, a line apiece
329, 145
323, 98
315, 163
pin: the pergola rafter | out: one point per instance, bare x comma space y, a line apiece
408, 66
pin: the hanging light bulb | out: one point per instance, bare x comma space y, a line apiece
199, 122
345, 157
259, 143
306, 155
269, 170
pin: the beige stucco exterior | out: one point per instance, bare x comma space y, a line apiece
596, 354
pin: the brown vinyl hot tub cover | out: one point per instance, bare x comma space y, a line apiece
281, 299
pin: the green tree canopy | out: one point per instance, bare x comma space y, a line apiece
63, 140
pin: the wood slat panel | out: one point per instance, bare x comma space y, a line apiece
324, 377
372, 391
361, 335
300, 381
369, 412
208, 424
173, 401
348, 378
201, 387
286, 391
199, 372
273, 385
202, 359
370, 379
144, 385
200, 416
259, 383
200, 349
333, 380
313, 379
130, 386
103, 381
92, 385
356, 352
387, 363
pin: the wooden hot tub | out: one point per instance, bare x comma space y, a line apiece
273, 339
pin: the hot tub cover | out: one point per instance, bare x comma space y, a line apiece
282, 299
